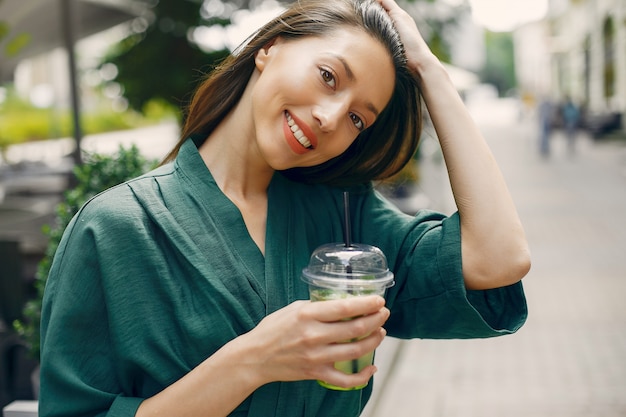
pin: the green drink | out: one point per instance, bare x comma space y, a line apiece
337, 271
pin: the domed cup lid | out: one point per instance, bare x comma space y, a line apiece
336, 265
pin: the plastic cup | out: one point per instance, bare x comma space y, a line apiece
337, 271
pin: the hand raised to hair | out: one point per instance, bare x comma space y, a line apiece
417, 51
491, 258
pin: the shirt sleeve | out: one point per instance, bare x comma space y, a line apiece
79, 366
429, 298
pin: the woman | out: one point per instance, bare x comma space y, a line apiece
178, 293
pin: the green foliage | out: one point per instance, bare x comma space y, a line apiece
499, 68
4, 29
15, 45
96, 174
158, 109
439, 47
27, 125
107, 120
21, 122
160, 63
12, 45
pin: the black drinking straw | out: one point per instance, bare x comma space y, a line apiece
347, 237
346, 219
347, 232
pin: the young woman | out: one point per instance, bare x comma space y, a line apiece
179, 293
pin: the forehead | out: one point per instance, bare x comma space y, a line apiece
350, 41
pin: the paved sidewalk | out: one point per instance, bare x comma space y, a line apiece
569, 360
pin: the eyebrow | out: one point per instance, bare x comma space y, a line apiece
350, 75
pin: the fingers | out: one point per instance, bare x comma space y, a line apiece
387, 4
304, 339
336, 310
417, 51
363, 334
348, 357
358, 327
391, 7
356, 348
382, 3
332, 376
340, 320
338, 363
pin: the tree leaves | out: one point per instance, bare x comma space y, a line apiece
13, 44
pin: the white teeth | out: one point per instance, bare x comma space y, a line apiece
297, 132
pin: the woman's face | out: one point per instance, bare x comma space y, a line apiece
314, 95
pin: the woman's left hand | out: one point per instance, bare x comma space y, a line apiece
416, 49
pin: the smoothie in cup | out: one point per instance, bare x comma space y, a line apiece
337, 271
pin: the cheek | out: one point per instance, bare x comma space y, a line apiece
265, 108
261, 93
275, 92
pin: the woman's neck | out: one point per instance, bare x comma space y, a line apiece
232, 156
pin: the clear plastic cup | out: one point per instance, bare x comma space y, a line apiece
337, 271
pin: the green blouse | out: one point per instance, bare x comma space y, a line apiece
155, 275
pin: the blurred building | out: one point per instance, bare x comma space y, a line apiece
578, 50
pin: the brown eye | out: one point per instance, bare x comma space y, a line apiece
358, 123
328, 77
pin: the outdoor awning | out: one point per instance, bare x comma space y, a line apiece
39, 23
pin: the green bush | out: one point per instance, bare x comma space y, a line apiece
29, 124
25, 125
21, 122
96, 174
108, 121
159, 109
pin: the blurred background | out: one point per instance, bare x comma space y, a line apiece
93, 92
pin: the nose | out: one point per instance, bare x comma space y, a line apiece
328, 113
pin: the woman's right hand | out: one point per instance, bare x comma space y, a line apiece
300, 341
304, 339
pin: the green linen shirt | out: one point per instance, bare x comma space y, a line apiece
155, 275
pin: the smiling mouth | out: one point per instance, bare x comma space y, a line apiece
297, 132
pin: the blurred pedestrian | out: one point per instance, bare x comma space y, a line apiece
545, 115
178, 293
571, 116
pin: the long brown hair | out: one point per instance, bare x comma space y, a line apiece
378, 152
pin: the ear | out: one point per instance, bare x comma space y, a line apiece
263, 55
